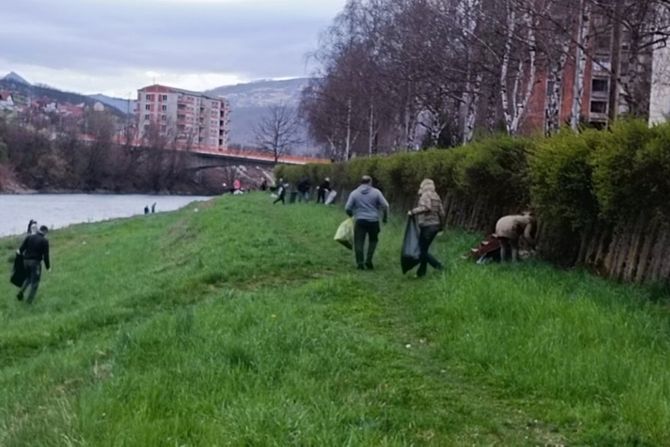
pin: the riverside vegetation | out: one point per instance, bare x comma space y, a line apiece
246, 324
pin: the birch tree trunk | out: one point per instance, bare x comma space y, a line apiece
584, 23
504, 68
471, 101
553, 108
347, 143
522, 103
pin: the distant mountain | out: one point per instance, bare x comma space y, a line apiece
249, 102
13, 77
122, 105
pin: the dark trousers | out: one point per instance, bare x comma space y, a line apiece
321, 197
281, 198
363, 229
33, 271
426, 237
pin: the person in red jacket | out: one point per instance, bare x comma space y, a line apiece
34, 249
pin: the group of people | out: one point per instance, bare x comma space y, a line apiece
303, 188
366, 204
33, 251
153, 208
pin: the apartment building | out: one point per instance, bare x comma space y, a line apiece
189, 120
617, 79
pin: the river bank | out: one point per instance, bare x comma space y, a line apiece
63, 209
246, 322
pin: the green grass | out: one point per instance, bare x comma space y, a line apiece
244, 323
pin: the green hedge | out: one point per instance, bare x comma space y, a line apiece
573, 180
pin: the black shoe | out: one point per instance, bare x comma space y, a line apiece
19, 296
360, 267
369, 266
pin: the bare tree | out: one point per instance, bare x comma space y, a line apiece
278, 131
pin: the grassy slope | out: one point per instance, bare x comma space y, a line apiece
245, 324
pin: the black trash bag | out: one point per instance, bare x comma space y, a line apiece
411, 252
19, 273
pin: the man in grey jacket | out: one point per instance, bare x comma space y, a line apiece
365, 204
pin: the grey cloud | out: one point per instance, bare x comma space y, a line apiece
104, 36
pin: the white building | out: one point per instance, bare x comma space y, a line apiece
190, 120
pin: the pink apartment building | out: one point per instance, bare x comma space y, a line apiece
189, 120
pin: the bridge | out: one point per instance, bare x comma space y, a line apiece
200, 160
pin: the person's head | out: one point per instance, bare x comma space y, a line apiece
327, 179
426, 185
366, 180
43, 230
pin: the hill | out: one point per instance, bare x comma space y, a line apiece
251, 101
23, 91
241, 321
124, 106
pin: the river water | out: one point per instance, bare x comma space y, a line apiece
60, 210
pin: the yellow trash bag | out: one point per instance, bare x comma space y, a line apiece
345, 233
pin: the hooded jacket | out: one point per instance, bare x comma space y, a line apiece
365, 203
429, 211
514, 226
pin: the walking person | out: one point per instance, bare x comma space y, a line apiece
324, 189
281, 192
365, 204
303, 189
34, 249
430, 218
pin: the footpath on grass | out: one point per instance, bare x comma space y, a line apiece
236, 322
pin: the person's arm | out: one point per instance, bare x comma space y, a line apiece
47, 263
384, 207
528, 234
424, 205
22, 248
349, 207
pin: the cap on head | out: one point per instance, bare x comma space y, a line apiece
44, 229
366, 179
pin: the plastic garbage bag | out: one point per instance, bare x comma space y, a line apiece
331, 197
19, 273
345, 233
411, 252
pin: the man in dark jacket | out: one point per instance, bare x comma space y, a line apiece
303, 189
364, 204
35, 249
324, 189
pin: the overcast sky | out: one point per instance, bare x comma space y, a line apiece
117, 46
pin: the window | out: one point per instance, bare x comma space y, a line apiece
163, 108
163, 118
146, 117
164, 97
147, 107
603, 42
600, 86
150, 97
598, 107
